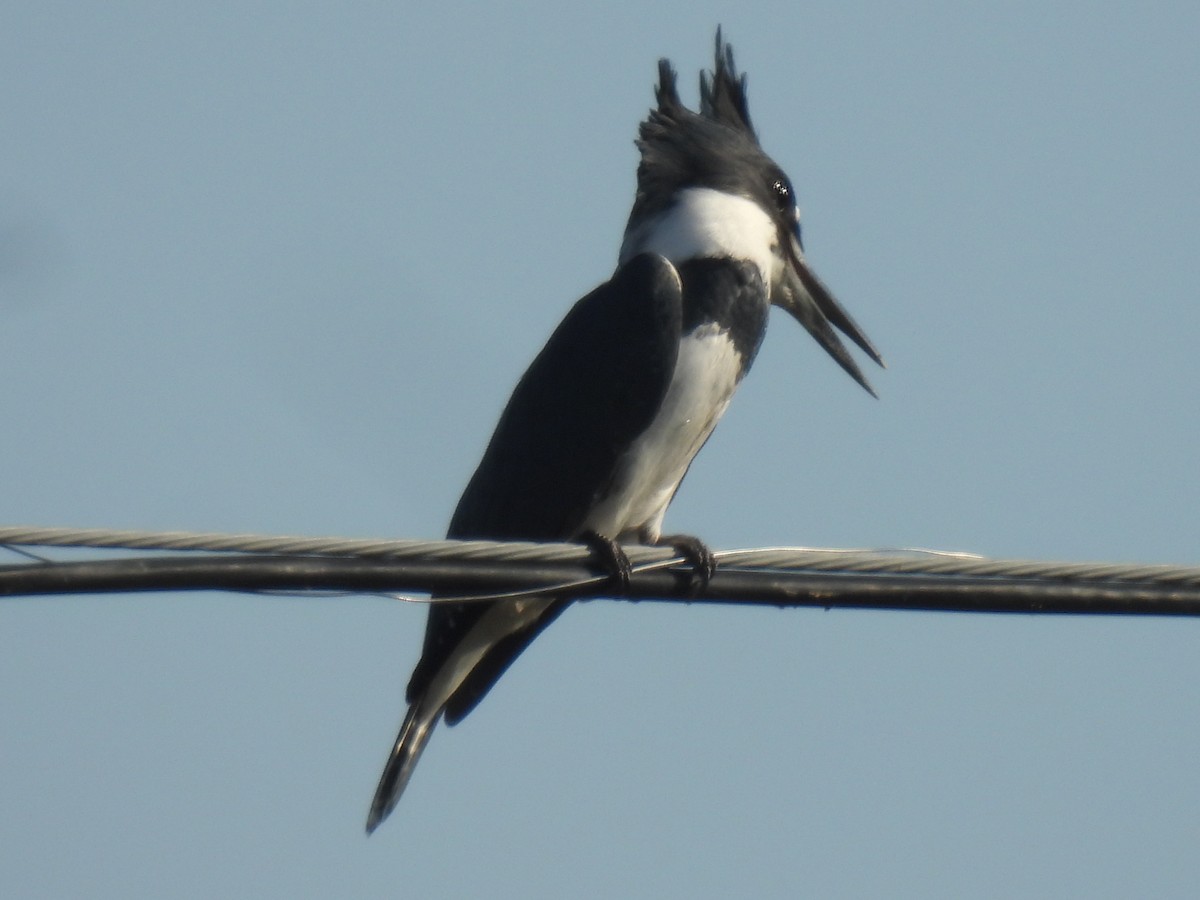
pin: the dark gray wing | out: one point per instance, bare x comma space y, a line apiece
592, 390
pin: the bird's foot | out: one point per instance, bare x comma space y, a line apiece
697, 554
611, 558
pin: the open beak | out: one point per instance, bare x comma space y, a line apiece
803, 295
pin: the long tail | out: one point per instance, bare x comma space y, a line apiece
411, 740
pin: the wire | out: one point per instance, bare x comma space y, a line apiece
456, 570
907, 561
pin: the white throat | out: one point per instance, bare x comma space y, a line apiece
703, 222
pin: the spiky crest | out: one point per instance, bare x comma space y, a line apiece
681, 147
724, 97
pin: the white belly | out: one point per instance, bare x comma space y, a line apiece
649, 472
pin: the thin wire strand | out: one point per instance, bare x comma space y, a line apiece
25, 553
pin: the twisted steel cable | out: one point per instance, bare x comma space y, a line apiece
784, 576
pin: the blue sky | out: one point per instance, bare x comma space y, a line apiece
276, 268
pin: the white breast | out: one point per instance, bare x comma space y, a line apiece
649, 472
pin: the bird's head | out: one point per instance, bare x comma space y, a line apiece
706, 188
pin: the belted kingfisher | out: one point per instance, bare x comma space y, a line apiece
603, 426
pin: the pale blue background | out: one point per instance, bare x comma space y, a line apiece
276, 266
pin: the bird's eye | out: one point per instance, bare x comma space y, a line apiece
784, 200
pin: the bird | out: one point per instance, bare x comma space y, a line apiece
602, 428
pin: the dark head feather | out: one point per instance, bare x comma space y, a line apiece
680, 147
667, 93
724, 97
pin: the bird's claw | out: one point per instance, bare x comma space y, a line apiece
697, 554
611, 558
